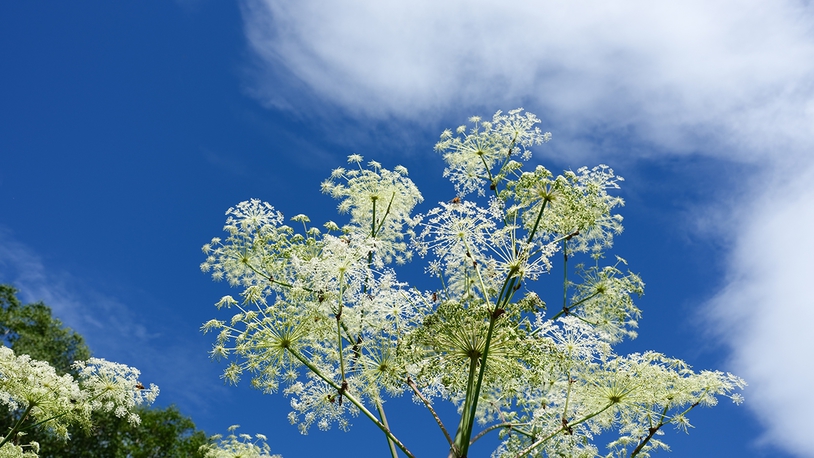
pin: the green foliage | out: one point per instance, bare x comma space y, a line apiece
31, 329
163, 433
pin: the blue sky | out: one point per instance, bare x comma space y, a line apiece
127, 129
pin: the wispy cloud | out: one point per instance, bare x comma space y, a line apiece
24, 269
112, 327
731, 79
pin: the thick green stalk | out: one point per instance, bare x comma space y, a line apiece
461, 443
462, 437
390, 444
473, 393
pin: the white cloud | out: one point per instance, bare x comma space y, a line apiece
732, 78
679, 74
768, 311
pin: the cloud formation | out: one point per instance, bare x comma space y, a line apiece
111, 327
766, 309
675, 75
732, 79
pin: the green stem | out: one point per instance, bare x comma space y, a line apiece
427, 404
461, 443
272, 280
564, 427
509, 425
464, 433
574, 305
537, 221
463, 446
339, 337
564, 276
489, 174
386, 212
652, 430
373, 219
390, 444
462, 437
17, 426
354, 401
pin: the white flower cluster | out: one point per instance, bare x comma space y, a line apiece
114, 387
33, 391
379, 202
573, 206
473, 155
10, 450
324, 315
33, 388
237, 446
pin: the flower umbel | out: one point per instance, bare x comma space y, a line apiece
324, 318
237, 446
42, 397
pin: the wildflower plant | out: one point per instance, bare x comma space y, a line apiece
37, 396
323, 317
237, 446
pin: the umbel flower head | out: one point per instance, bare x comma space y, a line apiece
114, 387
34, 390
30, 385
472, 155
380, 203
323, 316
237, 446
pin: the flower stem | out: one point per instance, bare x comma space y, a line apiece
386, 212
390, 444
509, 425
17, 426
461, 443
536, 444
427, 404
353, 400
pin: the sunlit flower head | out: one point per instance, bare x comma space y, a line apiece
475, 156
380, 203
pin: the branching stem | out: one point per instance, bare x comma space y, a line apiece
18, 425
565, 427
353, 400
427, 404
390, 444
